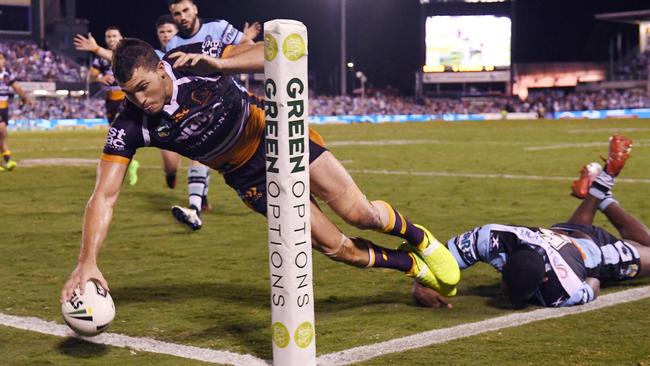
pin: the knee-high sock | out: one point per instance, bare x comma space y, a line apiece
399, 226
380, 257
196, 181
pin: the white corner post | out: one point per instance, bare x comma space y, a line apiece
287, 190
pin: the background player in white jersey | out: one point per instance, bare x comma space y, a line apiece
587, 254
191, 29
7, 81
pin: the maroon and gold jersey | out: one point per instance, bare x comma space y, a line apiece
102, 66
211, 119
6, 81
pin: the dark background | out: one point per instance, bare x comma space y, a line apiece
384, 36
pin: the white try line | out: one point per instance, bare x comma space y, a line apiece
608, 130
481, 175
416, 142
424, 339
135, 343
637, 144
344, 357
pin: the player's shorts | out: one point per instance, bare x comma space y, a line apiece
113, 107
250, 179
619, 260
4, 115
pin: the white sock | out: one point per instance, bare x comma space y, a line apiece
196, 181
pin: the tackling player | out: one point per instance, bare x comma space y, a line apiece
7, 81
187, 103
563, 265
101, 72
192, 30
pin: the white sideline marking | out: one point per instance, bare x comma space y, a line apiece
344, 357
424, 339
609, 130
136, 343
481, 175
417, 142
637, 144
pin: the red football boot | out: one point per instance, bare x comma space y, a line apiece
619, 151
588, 173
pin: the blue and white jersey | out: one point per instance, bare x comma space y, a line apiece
565, 261
217, 31
160, 54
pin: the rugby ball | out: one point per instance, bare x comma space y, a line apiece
91, 313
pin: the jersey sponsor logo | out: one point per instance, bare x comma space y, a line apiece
212, 48
115, 139
229, 34
559, 268
182, 114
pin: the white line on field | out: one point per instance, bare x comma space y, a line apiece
136, 343
481, 175
609, 130
424, 339
416, 142
637, 144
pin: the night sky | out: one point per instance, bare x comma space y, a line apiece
384, 36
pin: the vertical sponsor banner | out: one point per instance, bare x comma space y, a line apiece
287, 187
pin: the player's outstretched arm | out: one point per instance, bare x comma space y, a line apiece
251, 31
249, 60
97, 219
89, 44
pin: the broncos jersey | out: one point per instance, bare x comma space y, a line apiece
103, 66
209, 119
6, 80
211, 33
565, 267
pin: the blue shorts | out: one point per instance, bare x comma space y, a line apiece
619, 260
249, 181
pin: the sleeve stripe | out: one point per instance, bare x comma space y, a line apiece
115, 159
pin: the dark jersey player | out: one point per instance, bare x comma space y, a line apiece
7, 82
186, 103
562, 265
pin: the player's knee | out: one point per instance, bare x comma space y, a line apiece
363, 215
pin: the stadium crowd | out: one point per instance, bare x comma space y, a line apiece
31, 63
28, 62
58, 108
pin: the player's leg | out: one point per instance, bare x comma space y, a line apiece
627, 225
362, 253
334, 185
196, 180
4, 137
171, 163
598, 182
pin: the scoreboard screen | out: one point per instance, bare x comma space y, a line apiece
467, 43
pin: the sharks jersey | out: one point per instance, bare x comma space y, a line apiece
565, 267
210, 34
209, 119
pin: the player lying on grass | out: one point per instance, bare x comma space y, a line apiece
186, 103
563, 265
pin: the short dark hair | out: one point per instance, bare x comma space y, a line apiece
523, 273
130, 54
172, 2
113, 27
3, 54
164, 19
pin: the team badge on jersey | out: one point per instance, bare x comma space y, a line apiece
163, 128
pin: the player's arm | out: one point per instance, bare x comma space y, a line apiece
594, 283
21, 93
89, 44
249, 60
96, 221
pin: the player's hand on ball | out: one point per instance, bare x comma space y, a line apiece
82, 273
429, 298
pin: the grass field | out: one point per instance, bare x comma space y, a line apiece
211, 288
